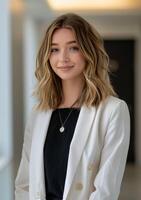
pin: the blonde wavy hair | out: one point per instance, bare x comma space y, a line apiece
96, 75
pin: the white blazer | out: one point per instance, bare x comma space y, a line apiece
97, 155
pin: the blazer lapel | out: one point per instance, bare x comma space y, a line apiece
36, 166
82, 130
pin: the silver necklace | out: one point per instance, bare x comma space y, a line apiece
62, 128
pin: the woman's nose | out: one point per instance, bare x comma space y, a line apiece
64, 56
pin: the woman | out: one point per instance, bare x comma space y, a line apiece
76, 141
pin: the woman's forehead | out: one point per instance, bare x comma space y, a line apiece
63, 35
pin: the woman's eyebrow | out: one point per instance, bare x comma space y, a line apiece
69, 42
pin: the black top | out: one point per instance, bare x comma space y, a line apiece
56, 150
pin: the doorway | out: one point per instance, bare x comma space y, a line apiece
122, 61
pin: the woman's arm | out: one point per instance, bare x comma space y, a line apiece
113, 157
22, 179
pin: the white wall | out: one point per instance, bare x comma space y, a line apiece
29, 53
6, 130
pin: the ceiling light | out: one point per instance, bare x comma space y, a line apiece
93, 4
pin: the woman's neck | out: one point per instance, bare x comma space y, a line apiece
71, 92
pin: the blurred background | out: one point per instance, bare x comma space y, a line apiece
22, 26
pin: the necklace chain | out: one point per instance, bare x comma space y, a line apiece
62, 128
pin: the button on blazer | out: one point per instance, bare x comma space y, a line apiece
97, 155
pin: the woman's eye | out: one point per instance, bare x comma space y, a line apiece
53, 50
75, 48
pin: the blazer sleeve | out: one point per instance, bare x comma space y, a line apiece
114, 155
22, 178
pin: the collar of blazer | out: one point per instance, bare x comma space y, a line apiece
82, 130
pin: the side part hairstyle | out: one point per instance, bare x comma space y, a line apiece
97, 85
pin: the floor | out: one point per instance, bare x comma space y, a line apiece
131, 185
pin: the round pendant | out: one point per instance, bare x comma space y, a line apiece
62, 129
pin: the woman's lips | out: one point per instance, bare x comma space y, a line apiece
65, 67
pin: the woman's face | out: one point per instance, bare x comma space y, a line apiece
66, 59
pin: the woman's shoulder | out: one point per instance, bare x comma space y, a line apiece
113, 101
34, 115
113, 104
